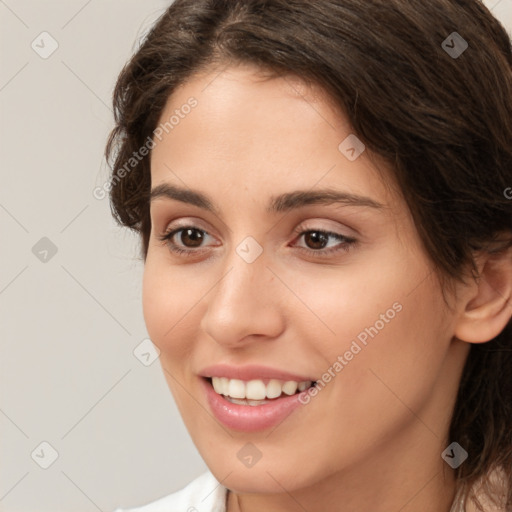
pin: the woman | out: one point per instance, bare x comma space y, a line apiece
323, 195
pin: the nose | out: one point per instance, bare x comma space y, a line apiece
244, 305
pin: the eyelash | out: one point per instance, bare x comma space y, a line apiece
346, 242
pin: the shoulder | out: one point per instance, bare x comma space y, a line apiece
204, 494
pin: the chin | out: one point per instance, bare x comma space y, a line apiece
265, 477
250, 481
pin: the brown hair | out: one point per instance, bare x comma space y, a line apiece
443, 122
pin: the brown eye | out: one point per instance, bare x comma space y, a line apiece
192, 235
318, 242
315, 239
188, 239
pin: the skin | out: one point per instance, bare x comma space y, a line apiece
371, 439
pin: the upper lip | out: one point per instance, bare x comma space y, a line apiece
251, 372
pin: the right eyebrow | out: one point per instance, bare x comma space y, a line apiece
184, 195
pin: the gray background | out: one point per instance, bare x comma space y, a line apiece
71, 320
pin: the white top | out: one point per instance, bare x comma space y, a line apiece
206, 494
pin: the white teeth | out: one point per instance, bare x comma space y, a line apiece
245, 401
245, 393
224, 385
236, 388
217, 385
255, 390
304, 385
274, 389
290, 387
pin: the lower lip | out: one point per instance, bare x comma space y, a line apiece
250, 418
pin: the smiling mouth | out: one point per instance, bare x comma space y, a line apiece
257, 391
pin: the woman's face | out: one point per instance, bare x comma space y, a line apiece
302, 264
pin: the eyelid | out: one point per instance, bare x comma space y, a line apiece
316, 225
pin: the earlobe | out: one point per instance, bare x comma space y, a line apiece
487, 304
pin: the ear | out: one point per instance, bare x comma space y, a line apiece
486, 304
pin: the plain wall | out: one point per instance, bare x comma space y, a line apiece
70, 279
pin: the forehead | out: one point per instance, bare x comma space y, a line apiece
246, 129
247, 98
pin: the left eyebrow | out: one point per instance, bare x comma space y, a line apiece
299, 198
281, 203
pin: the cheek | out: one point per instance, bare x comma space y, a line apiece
167, 298
155, 301
399, 352
383, 326
333, 310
